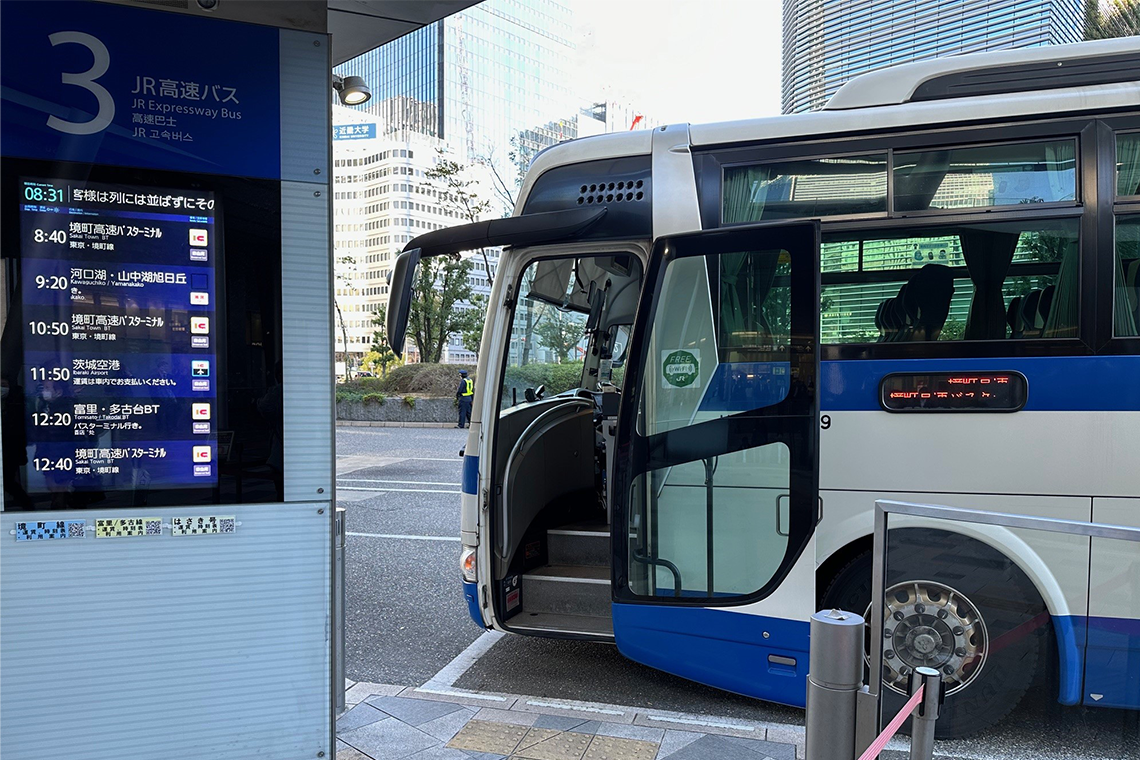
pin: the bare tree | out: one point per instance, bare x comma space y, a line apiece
348, 265
458, 194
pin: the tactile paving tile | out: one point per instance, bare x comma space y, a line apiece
566, 745
613, 748
484, 736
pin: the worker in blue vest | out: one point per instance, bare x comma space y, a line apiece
465, 395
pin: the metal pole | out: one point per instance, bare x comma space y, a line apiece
338, 609
834, 679
925, 715
710, 468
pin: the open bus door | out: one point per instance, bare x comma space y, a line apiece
716, 486
531, 229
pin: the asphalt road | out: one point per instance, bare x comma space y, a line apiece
407, 618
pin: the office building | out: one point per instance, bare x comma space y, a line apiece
492, 80
828, 42
382, 198
478, 78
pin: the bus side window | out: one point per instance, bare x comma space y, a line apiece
1126, 304
986, 281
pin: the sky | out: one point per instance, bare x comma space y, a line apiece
690, 61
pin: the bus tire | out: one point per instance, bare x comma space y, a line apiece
1008, 604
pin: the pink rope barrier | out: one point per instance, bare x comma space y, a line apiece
893, 727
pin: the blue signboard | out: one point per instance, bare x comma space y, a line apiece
110, 84
354, 131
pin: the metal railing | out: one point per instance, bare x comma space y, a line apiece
843, 714
338, 609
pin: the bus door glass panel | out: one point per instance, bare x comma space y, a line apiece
722, 482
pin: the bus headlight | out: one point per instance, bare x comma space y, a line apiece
467, 562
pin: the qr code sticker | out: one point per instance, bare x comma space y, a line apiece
76, 528
227, 525
154, 527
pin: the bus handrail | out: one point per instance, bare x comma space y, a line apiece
647, 560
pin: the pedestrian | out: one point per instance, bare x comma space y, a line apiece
465, 395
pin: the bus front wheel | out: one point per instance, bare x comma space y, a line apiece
959, 606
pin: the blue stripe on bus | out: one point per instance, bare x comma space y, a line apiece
471, 594
729, 650
1112, 663
471, 475
720, 648
1056, 383
1070, 633
740, 386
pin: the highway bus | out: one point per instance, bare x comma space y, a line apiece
928, 291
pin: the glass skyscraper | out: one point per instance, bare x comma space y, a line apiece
828, 42
497, 71
491, 80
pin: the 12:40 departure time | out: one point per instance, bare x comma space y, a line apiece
46, 464
50, 373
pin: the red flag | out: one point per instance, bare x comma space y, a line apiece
635, 121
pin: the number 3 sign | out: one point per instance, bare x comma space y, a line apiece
86, 80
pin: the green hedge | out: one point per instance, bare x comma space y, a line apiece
443, 379
409, 379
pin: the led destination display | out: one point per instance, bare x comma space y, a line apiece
953, 392
120, 365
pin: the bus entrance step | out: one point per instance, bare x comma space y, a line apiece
548, 622
567, 590
579, 544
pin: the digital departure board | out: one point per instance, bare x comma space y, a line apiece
953, 392
119, 336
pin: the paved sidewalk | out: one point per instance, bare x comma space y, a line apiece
385, 722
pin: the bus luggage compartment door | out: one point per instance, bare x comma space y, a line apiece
717, 478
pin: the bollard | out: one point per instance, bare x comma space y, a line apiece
338, 609
926, 713
835, 675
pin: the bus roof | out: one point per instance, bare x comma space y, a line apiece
1103, 75
1049, 67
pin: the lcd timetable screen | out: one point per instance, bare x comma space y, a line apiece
119, 336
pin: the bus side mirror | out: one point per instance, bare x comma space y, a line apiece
400, 284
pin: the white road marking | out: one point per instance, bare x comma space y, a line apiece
398, 535
443, 681
397, 490
450, 692
693, 722
403, 482
570, 706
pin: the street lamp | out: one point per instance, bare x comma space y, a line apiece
352, 91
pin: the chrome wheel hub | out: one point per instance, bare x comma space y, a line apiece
929, 624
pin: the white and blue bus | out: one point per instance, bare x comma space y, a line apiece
710, 348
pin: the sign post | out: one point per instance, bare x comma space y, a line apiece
166, 573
